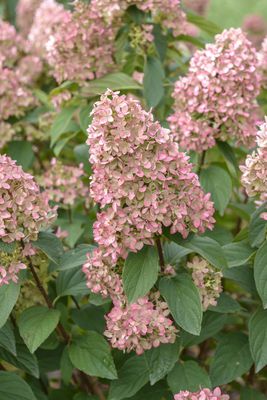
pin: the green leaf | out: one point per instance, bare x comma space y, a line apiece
229, 155
66, 367
257, 227
91, 317
84, 117
71, 282
216, 180
232, 351
188, 376
153, 81
260, 273
7, 247
50, 245
8, 297
61, 123
22, 152
23, 360
237, 253
202, 245
212, 324
76, 257
161, 360
133, 375
184, 302
91, 354
226, 304
202, 23
251, 394
81, 152
12, 387
7, 338
36, 324
140, 273
258, 338
114, 81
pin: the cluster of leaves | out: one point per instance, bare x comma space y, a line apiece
52, 349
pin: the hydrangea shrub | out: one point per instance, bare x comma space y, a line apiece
133, 202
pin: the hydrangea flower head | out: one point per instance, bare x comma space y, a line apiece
207, 280
254, 177
217, 98
203, 394
23, 209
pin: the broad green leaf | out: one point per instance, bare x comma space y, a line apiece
61, 123
8, 297
7, 247
226, 304
61, 143
173, 253
161, 360
66, 367
212, 324
228, 154
114, 81
22, 152
71, 282
202, 245
237, 253
133, 375
23, 360
84, 117
12, 387
258, 338
81, 152
260, 273
7, 338
207, 26
232, 351
184, 302
36, 324
76, 257
188, 375
243, 276
91, 354
251, 394
90, 317
216, 180
50, 245
153, 81
257, 227
140, 272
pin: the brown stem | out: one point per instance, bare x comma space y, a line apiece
160, 252
2, 368
202, 161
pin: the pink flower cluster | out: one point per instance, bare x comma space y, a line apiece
262, 55
256, 28
82, 44
254, 177
198, 6
63, 183
140, 326
47, 17
217, 98
207, 280
23, 209
144, 183
203, 394
25, 14
15, 76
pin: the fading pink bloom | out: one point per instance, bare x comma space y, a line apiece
262, 56
254, 177
217, 98
63, 183
23, 209
198, 6
203, 394
256, 28
140, 326
207, 280
25, 13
